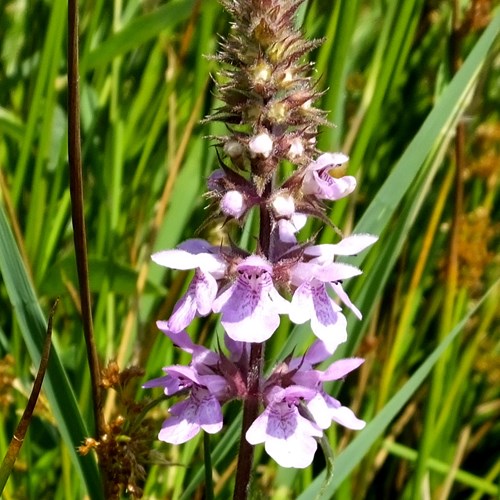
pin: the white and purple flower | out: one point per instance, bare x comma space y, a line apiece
315, 277
288, 437
318, 181
209, 265
205, 383
251, 305
288, 434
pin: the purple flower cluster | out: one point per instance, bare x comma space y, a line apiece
267, 105
212, 379
245, 289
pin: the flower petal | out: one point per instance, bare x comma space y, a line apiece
337, 287
184, 312
328, 159
317, 353
288, 437
175, 259
311, 301
170, 384
198, 299
350, 245
180, 429
287, 231
345, 416
336, 271
302, 306
205, 289
196, 246
339, 369
320, 411
192, 254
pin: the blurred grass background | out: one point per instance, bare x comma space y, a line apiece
412, 88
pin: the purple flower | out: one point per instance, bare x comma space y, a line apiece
288, 431
200, 411
287, 435
323, 407
204, 382
318, 182
251, 306
210, 266
311, 301
315, 277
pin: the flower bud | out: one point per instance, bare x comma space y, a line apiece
283, 205
233, 204
233, 149
261, 73
296, 148
215, 179
261, 144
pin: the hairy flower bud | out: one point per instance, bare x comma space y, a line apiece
283, 205
233, 149
261, 144
296, 148
233, 204
265, 83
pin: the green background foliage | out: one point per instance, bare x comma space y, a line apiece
412, 88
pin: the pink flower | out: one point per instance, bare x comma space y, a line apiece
287, 435
315, 277
200, 411
318, 182
209, 265
311, 300
209, 380
251, 306
323, 407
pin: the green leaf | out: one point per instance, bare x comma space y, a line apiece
10, 124
120, 278
362, 443
138, 31
33, 327
439, 123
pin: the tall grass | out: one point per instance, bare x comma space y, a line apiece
412, 88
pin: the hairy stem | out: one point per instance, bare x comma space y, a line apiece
250, 413
253, 399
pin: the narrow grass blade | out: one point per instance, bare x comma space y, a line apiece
138, 31
33, 327
22, 428
11, 124
440, 121
353, 454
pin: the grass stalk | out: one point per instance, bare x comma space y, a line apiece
77, 212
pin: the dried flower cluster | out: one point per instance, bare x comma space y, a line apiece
125, 448
7, 377
268, 97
